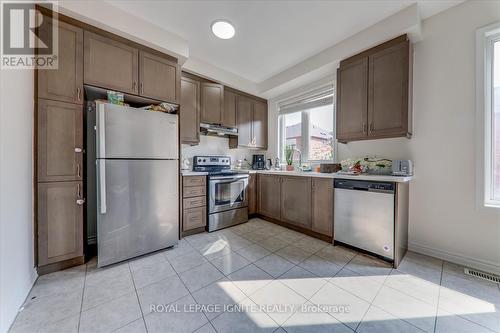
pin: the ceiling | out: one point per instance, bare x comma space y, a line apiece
271, 36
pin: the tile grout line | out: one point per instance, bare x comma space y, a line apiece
83, 295
138, 301
191, 294
439, 295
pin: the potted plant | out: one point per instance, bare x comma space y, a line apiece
289, 157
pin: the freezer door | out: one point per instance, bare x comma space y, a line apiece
137, 208
124, 132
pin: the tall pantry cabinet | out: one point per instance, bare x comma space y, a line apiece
59, 153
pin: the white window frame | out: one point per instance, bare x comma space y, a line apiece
485, 38
305, 127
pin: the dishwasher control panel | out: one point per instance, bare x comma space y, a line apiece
363, 185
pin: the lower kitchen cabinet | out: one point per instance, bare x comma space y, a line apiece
194, 203
252, 194
269, 195
300, 202
296, 201
193, 218
60, 222
322, 206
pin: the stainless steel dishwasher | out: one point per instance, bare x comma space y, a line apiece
364, 215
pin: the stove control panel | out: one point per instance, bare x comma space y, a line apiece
212, 161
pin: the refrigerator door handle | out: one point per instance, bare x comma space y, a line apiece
102, 185
102, 131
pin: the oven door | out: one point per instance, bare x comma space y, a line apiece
227, 192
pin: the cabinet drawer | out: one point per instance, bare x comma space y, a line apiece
194, 191
194, 202
194, 180
194, 218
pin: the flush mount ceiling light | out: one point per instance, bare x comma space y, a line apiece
223, 29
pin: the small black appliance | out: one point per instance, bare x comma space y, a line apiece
258, 162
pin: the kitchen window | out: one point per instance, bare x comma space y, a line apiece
306, 123
488, 104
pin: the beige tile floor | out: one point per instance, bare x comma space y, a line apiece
260, 277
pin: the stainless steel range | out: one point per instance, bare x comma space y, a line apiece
227, 191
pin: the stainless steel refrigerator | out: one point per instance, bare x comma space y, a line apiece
137, 182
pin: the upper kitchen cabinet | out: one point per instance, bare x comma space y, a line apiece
374, 93
159, 78
110, 64
60, 141
244, 121
352, 100
251, 119
65, 83
212, 102
189, 115
229, 110
259, 124
388, 91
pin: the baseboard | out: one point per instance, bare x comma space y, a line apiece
482, 265
29, 285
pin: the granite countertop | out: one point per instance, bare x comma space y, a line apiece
193, 173
381, 178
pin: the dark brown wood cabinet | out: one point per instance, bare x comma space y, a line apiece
60, 141
259, 124
65, 83
159, 78
251, 118
296, 201
244, 121
388, 91
194, 203
374, 93
229, 110
189, 114
60, 222
212, 102
352, 100
269, 194
322, 206
252, 194
299, 202
110, 64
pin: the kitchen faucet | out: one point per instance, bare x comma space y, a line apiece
300, 158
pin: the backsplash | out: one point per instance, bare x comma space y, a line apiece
212, 145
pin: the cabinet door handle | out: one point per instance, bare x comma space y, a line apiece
78, 94
142, 87
133, 86
78, 170
78, 191
370, 130
364, 128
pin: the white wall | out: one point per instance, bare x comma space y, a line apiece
17, 272
444, 219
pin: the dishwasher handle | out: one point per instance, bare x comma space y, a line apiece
364, 185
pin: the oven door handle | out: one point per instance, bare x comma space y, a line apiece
228, 177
